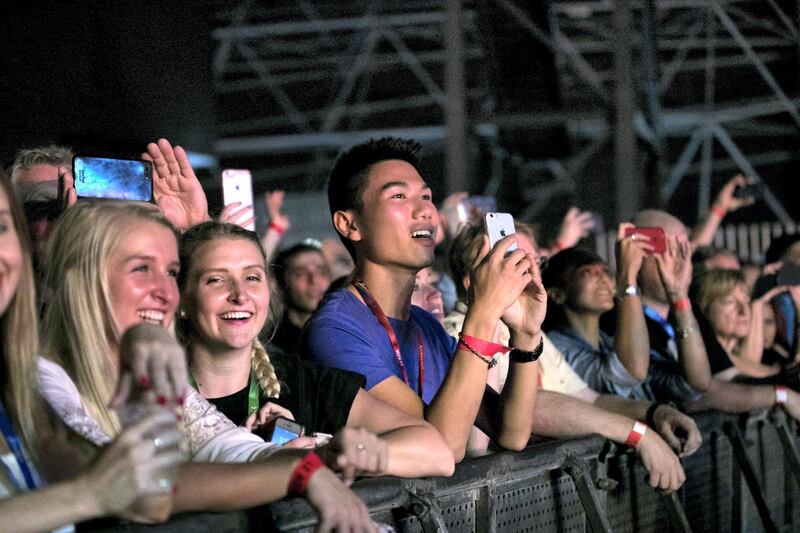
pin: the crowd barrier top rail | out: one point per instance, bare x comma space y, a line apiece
745, 477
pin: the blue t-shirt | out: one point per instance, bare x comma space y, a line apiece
345, 334
600, 369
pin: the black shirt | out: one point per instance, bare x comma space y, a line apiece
319, 397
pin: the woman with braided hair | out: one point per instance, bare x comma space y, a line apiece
225, 303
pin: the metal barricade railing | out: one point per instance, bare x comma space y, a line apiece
745, 477
589, 485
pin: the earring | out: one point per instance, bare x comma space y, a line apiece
182, 313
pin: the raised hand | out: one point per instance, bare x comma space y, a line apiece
234, 213
274, 202
498, 277
575, 226
176, 189
727, 201
675, 267
631, 251
153, 362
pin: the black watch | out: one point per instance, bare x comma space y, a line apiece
521, 356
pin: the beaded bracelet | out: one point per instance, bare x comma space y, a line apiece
490, 360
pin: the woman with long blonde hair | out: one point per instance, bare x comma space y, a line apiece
113, 265
131, 468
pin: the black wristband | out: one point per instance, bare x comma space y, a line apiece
520, 356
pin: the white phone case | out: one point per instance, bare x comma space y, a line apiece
237, 186
498, 226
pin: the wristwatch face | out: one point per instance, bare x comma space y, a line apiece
630, 290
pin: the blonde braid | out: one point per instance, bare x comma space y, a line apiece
264, 371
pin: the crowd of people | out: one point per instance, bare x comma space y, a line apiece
148, 350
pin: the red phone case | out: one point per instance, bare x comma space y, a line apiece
657, 238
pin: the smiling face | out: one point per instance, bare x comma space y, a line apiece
142, 274
729, 315
10, 254
227, 294
591, 289
396, 225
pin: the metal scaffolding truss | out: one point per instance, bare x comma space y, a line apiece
321, 76
684, 47
298, 82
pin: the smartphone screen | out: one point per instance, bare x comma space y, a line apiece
282, 435
237, 186
103, 177
498, 226
657, 238
788, 275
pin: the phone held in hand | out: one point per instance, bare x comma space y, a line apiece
751, 190
498, 226
105, 177
281, 430
237, 186
657, 238
788, 274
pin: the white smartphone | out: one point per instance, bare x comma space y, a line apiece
498, 226
237, 186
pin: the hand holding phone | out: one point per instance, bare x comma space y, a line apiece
499, 226
751, 190
237, 186
656, 235
280, 431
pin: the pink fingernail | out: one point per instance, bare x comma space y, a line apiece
143, 382
162, 400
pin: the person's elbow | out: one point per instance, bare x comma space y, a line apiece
700, 383
514, 439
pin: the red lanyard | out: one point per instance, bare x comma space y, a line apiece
361, 287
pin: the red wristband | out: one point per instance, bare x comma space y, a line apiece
681, 304
636, 434
484, 348
558, 246
301, 476
719, 211
781, 395
276, 228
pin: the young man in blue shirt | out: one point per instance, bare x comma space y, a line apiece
383, 211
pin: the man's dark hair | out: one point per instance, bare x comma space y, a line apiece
283, 258
562, 266
349, 175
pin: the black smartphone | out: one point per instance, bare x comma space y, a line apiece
751, 190
788, 275
105, 177
281, 430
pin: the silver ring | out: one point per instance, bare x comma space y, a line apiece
360, 447
157, 442
164, 484
633, 237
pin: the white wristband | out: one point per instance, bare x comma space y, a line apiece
781, 395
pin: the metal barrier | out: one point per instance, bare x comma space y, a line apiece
745, 477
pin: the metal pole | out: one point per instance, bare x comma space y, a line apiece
649, 52
627, 186
454, 104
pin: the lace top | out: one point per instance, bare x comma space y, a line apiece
208, 435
